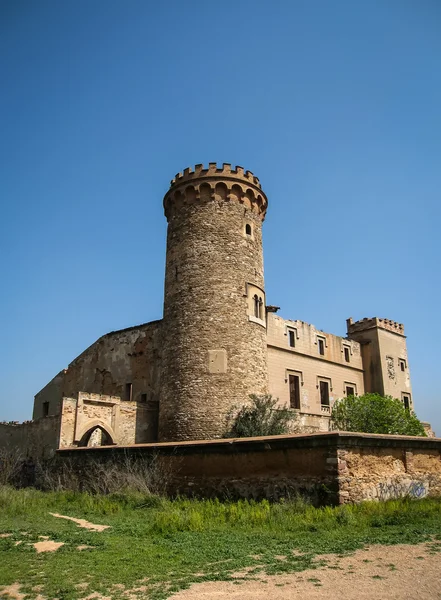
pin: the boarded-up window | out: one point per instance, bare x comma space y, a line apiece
294, 391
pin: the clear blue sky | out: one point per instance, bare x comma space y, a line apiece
335, 106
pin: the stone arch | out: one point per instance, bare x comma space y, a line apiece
88, 429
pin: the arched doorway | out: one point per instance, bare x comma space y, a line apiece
96, 436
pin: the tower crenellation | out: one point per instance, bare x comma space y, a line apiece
215, 183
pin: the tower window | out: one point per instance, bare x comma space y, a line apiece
143, 397
248, 229
45, 409
406, 401
256, 306
291, 338
128, 392
321, 346
347, 353
294, 391
402, 364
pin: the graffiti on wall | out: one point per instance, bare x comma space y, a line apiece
400, 489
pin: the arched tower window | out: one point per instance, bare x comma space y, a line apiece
248, 229
256, 306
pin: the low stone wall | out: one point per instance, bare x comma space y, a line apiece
326, 468
32, 439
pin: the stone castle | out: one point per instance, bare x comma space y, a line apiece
218, 342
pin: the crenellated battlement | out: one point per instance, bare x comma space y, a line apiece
213, 183
213, 170
369, 323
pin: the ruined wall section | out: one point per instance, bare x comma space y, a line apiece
50, 395
214, 352
125, 364
32, 439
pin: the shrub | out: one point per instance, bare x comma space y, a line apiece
260, 417
372, 413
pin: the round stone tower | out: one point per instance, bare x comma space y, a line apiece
214, 347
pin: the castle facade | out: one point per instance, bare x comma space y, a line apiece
218, 342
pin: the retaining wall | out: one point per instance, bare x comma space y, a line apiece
327, 468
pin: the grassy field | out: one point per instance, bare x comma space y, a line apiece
166, 545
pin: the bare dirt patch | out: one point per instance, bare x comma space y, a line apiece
47, 546
398, 572
82, 523
12, 591
5, 535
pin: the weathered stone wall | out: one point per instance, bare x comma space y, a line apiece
214, 353
121, 422
122, 363
326, 468
381, 468
32, 439
51, 394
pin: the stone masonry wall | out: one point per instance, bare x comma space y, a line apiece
214, 350
122, 363
32, 439
327, 468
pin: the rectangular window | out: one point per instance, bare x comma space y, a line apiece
294, 391
402, 364
45, 409
143, 397
324, 393
406, 401
350, 390
128, 395
347, 353
321, 346
291, 338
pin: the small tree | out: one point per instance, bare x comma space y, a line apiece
260, 417
372, 413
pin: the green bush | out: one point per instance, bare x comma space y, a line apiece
372, 413
260, 417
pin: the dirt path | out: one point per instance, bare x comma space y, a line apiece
399, 572
82, 523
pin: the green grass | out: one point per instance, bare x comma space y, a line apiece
175, 543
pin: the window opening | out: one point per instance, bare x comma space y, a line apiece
350, 390
324, 393
294, 391
248, 230
321, 346
256, 306
347, 354
128, 395
406, 401
143, 397
45, 409
402, 364
260, 308
291, 338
